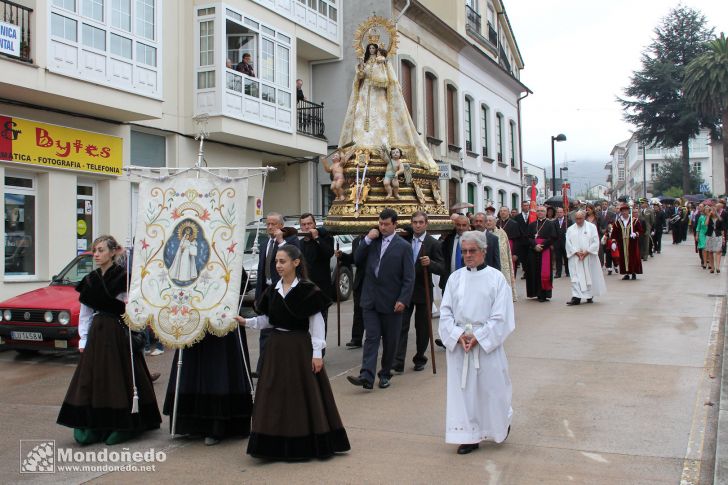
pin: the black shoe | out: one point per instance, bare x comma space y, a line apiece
523, 277
359, 382
354, 344
574, 301
634, 276
625, 277
465, 449
439, 343
419, 367
557, 276
590, 300
398, 368
383, 382
542, 300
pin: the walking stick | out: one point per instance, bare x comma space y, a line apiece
338, 297
428, 303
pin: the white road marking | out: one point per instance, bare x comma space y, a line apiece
595, 456
569, 433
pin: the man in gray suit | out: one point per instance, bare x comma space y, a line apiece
389, 278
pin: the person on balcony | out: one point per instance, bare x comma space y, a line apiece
245, 66
299, 91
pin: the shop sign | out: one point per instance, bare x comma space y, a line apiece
9, 39
53, 146
444, 169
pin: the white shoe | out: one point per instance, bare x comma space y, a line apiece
210, 441
156, 352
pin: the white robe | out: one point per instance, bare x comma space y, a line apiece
482, 409
183, 266
587, 280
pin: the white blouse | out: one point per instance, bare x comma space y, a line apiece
316, 325
85, 317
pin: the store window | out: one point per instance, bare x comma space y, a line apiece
20, 222
148, 150
85, 217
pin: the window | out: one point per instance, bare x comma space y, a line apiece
145, 19
63, 27
207, 43
451, 110
468, 124
484, 112
488, 195
85, 209
405, 80
146, 54
514, 201
282, 69
121, 14
148, 150
94, 37
471, 194
512, 142
19, 200
267, 71
621, 174
93, 9
698, 167
501, 198
67, 4
430, 105
654, 168
205, 79
121, 46
499, 136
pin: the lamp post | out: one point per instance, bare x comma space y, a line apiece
559, 137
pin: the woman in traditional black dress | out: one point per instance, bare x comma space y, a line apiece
215, 396
99, 402
294, 415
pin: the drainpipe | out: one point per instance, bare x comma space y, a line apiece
406, 6
520, 141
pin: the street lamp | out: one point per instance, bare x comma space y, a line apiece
559, 137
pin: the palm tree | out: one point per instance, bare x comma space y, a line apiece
706, 85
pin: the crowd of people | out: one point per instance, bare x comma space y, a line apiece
294, 416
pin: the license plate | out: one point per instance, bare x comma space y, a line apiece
35, 336
61, 344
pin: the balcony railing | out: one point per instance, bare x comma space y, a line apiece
15, 14
310, 118
492, 34
473, 19
504, 60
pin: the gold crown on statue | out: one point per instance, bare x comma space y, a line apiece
373, 36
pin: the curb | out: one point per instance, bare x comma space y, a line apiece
720, 475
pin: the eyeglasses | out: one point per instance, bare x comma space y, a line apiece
470, 251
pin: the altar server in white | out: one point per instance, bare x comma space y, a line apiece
582, 249
476, 317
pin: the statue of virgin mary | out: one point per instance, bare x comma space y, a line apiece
377, 115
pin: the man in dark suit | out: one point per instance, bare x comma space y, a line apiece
659, 227
450, 248
562, 224
492, 257
357, 326
605, 217
426, 254
388, 283
522, 247
267, 274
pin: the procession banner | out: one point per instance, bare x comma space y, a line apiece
188, 258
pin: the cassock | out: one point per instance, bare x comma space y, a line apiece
539, 278
629, 248
478, 383
587, 280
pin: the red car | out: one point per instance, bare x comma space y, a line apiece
46, 318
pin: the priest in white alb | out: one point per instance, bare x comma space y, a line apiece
582, 249
476, 317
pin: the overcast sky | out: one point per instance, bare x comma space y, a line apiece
579, 55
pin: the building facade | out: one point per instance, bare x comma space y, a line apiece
99, 85
632, 168
459, 66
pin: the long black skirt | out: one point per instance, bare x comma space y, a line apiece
215, 398
101, 391
295, 415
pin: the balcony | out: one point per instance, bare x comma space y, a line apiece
319, 16
492, 35
310, 118
472, 20
15, 42
504, 60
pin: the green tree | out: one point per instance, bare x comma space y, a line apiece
670, 176
706, 87
655, 100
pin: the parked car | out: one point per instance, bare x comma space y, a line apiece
46, 318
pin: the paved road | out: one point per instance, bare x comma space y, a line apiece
622, 391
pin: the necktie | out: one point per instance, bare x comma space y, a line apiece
416, 248
385, 243
458, 256
268, 259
